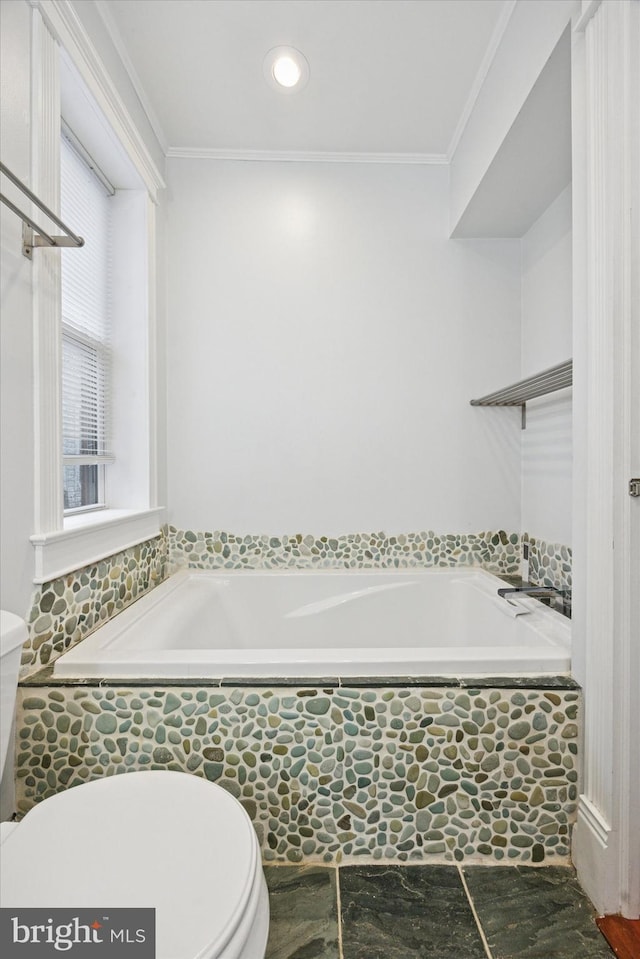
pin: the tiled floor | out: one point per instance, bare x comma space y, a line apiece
430, 912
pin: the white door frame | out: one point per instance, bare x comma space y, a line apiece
606, 143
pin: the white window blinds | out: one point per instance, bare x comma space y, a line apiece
86, 283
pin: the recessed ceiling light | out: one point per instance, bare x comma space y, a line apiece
286, 72
286, 69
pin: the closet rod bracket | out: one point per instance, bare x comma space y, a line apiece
32, 240
32, 234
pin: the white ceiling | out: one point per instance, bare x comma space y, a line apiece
387, 76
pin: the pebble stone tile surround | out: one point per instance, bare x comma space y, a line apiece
333, 774
418, 771
498, 551
68, 608
550, 564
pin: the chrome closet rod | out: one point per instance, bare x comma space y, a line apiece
71, 239
27, 219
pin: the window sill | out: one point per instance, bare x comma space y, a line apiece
90, 537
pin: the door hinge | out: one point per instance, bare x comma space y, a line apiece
634, 486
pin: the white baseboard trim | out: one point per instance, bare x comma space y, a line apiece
594, 850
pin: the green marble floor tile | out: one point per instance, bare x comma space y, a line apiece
304, 917
406, 912
529, 913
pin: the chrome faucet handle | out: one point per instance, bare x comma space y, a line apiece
536, 592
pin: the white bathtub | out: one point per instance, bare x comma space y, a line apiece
308, 624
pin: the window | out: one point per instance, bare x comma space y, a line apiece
95, 343
86, 329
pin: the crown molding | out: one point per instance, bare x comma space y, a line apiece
304, 156
481, 75
116, 38
66, 27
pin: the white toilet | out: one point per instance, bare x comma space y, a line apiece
166, 840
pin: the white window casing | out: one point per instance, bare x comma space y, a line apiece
116, 434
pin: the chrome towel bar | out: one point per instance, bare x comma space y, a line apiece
32, 234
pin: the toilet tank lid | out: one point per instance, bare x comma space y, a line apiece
13, 632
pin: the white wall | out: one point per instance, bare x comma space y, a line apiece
16, 409
325, 338
16, 338
546, 341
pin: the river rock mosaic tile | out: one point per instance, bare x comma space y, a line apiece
334, 775
550, 564
497, 551
67, 609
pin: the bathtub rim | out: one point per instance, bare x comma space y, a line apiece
344, 664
